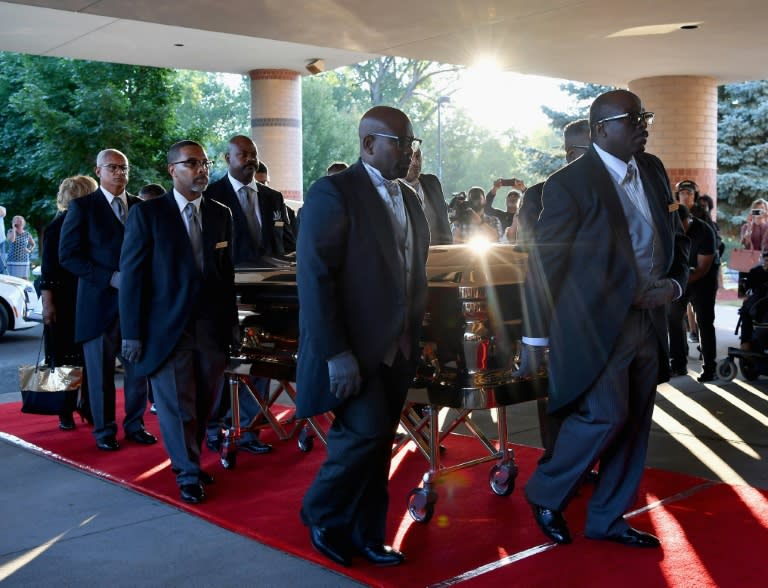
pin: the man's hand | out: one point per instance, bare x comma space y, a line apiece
344, 374
131, 350
114, 281
533, 361
660, 293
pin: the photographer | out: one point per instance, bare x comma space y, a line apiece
754, 232
471, 222
506, 217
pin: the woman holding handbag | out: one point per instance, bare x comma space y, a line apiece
59, 292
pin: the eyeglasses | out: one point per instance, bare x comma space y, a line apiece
206, 164
634, 118
402, 142
113, 167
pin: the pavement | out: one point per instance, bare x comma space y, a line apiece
62, 525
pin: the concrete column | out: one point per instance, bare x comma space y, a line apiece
684, 134
276, 128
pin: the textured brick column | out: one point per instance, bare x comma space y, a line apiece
684, 134
276, 128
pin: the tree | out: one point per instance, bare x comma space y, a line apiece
742, 150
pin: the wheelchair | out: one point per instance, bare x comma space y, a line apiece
753, 363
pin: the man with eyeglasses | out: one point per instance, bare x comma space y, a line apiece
177, 307
430, 193
362, 294
89, 247
609, 256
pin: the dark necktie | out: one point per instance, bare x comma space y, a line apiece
195, 234
117, 206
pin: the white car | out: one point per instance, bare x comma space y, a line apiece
19, 304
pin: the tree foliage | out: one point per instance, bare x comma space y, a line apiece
742, 150
61, 112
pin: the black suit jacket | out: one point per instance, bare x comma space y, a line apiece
161, 286
440, 233
582, 274
352, 293
276, 235
89, 247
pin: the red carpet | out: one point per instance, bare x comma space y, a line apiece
713, 534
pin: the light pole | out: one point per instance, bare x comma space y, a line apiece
440, 101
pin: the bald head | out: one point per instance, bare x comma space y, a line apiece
242, 158
620, 136
390, 154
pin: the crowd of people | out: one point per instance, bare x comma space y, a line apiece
616, 259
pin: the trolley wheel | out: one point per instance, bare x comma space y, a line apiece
306, 441
421, 504
726, 369
749, 369
502, 478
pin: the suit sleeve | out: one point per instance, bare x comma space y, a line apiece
320, 261
548, 261
74, 252
134, 275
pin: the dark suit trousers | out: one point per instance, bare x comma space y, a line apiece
184, 389
611, 423
702, 297
350, 490
100, 353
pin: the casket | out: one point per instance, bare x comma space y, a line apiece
471, 328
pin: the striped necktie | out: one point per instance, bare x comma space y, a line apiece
632, 186
117, 206
248, 203
397, 204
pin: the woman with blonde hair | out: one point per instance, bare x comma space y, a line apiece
59, 292
754, 232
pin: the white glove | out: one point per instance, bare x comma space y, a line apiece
344, 374
658, 294
533, 361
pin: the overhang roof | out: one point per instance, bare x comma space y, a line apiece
586, 40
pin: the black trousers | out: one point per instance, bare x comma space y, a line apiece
349, 492
702, 297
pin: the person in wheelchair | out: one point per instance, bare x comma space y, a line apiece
755, 306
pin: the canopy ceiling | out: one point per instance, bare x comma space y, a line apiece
587, 40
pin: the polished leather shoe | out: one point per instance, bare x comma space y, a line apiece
552, 523
330, 546
676, 372
143, 437
591, 477
108, 444
706, 376
382, 555
66, 422
205, 478
255, 446
192, 493
634, 538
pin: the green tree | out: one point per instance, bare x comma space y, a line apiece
742, 150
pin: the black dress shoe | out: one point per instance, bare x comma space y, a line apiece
634, 538
591, 477
192, 493
382, 555
707, 376
108, 444
141, 436
205, 478
552, 523
331, 546
255, 446
675, 372
66, 422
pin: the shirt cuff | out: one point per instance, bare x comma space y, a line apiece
536, 341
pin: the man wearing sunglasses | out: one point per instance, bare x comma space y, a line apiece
362, 294
89, 247
610, 255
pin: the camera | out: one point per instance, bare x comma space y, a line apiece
463, 212
757, 211
510, 182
